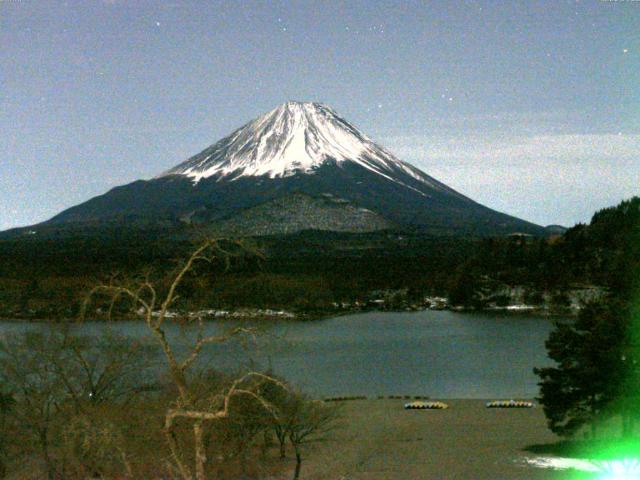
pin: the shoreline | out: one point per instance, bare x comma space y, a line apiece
240, 314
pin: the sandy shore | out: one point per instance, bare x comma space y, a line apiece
378, 440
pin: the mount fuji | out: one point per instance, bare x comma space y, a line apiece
297, 167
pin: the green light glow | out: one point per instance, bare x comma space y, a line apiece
620, 459
619, 469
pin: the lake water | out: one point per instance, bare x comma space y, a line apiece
441, 354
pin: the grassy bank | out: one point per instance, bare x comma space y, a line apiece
378, 439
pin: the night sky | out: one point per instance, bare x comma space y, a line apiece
529, 107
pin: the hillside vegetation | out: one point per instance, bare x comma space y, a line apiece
46, 276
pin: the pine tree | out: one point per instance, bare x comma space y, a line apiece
592, 359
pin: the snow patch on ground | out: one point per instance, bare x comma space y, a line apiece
560, 463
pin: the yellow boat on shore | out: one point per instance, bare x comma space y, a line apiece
425, 406
509, 404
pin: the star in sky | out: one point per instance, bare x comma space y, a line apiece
340, 42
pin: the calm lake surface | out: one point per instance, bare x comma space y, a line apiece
437, 353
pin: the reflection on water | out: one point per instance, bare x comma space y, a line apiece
437, 353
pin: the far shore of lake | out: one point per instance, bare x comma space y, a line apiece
254, 314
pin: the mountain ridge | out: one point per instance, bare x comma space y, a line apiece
296, 148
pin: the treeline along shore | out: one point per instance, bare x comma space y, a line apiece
313, 274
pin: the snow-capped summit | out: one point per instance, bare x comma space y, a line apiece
295, 137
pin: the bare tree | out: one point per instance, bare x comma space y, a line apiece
280, 424
238, 433
58, 379
94, 448
308, 421
301, 420
154, 306
108, 369
38, 391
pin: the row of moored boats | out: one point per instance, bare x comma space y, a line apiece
492, 404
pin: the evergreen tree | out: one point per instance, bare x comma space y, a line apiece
590, 379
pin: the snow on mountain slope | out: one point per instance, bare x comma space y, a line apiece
243, 180
295, 138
